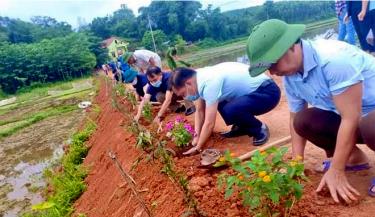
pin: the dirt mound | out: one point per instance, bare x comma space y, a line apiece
108, 194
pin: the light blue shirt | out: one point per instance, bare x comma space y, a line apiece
226, 81
330, 67
372, 5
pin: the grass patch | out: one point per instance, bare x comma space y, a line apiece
39, 90
39, 116
68, 182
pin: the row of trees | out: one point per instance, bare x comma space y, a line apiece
49, 60
45, 50
189, 20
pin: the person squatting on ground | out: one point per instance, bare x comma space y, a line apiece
142, 59
227, 88
160, 89
338, 81
138, 82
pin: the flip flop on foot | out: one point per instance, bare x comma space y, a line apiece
371, 190
327, 164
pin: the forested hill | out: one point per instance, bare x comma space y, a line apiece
46, 50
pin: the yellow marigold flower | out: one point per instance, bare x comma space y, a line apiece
261, 174
232, 154
267, 179
293, 163
263, 153
222, 159
240, 177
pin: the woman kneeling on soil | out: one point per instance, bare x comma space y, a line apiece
338, 81
229, 89
159, 88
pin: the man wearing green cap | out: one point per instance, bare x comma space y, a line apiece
337, 80
142, 59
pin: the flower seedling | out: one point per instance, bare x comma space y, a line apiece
267, 184
181, 132
147, 112
144, 140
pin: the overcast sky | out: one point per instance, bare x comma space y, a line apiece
70, 10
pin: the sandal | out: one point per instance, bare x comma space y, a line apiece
371, 189
327, 164
210, 156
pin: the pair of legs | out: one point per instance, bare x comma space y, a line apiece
321, 127
240, 112
371, 15
362, 28
346, 29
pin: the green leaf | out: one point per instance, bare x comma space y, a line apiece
255, 202
228, 193
43, 206
275, 197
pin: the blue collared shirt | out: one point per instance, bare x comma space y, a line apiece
329, 68
226, 81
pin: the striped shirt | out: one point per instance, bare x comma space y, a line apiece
340, 6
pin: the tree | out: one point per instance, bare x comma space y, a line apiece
159, 37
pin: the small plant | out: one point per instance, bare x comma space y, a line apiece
144, 140
130, 96
147, 112
267, 184
120, 90
182, 133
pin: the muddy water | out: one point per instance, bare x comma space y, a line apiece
27, 153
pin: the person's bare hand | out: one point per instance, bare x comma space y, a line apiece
137, 117
346, 18
361, 15
194, 150
338, 185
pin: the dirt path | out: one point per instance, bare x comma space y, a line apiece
108, 195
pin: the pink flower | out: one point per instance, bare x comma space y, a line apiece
179, 119
190, 129
169, 126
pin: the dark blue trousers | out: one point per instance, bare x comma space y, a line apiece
242, 110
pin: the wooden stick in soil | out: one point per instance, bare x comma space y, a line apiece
130, 182
279, 142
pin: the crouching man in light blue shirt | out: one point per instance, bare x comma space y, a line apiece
337, 80
227, 88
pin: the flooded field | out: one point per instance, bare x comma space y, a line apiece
30, 148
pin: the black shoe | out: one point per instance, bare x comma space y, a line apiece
234, 132
262, 137
181, 109
190, 111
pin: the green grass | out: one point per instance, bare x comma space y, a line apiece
67, 184
32, 119
41, 90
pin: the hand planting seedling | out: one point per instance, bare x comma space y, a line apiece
267, 184
181, 133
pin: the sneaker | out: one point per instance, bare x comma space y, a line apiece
234, 132
262, 137
190, 111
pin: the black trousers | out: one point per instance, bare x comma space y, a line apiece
242, 110
321, 127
